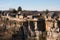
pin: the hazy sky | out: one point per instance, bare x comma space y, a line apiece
30, 4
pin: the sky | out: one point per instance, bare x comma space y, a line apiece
30, 4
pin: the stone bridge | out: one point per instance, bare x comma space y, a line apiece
29, 29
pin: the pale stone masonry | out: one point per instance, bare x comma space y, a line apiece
31, 26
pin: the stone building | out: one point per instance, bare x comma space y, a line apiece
31, 26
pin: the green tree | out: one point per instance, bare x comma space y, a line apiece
14, 11
19, 8
47, 11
